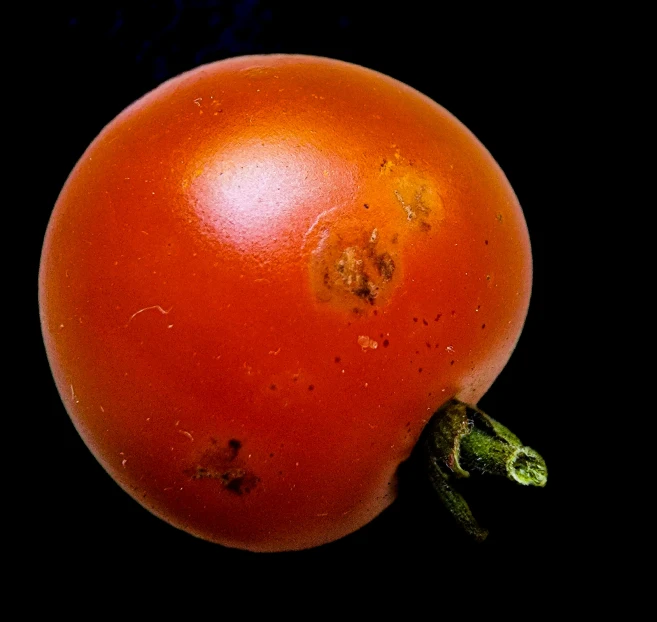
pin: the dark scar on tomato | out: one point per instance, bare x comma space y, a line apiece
223, 465
361, 270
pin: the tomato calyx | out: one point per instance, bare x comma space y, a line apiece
461, 438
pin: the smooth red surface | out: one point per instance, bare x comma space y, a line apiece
261, 280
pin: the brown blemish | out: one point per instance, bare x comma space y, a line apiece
356, 253
223, 465
235, 445
386, 167
385, 266
419, 200
362, 269
386, 343
351, 269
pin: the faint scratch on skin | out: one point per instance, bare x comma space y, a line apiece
274, 352
73, 396
156, 307
123, 462
187, 434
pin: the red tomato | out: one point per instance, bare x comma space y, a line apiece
260, 281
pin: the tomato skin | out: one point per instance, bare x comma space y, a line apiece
261, 280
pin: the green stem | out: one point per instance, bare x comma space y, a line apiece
461, 439
487, 454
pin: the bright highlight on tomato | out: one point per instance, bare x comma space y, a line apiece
262, 279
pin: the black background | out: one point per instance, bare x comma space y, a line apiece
504, 76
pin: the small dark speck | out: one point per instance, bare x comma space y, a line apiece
486, 242
415, 319
437, 317
375, 312
483, 325
386, 343
417, 352
437, 345
420, 370
453, 313
311, 387
272, 387
233, 443
451, 362
271, 455
425, 322
428, 344
337, 359
366, 206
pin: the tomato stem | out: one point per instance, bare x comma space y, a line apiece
461, 439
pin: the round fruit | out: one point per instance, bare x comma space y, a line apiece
262, 279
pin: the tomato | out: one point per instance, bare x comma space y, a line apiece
260, 281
